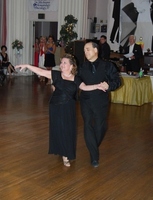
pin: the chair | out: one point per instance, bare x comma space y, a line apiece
2, 76
148, 62
5, 70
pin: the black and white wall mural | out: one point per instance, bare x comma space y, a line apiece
126, 17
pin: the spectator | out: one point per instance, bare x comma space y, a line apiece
42, 48
132, 62
0, 60
5, 61
36, 52
104, 48
50, 55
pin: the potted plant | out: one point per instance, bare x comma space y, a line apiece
67, 33
18, 45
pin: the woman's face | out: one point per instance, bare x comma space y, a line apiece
3, 49
50, 39
65, 65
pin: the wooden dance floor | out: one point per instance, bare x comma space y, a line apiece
28, 172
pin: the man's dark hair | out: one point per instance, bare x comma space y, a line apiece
103, 36
95, 45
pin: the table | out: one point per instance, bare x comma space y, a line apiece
151, 77
134, 91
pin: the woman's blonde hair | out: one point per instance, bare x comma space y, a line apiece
72, 62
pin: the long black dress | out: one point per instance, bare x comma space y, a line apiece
62, 113
50, 59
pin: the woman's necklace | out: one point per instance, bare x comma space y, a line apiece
67, 76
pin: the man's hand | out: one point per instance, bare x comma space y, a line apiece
103, 86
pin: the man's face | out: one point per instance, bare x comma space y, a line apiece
102, 40
90, 52
131, 40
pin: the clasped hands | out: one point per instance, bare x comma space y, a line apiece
103, 86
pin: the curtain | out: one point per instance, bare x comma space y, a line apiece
19, 27
78, 9
3, 30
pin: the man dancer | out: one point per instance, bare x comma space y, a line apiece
94, 104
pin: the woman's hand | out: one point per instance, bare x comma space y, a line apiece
36, 70
21, 67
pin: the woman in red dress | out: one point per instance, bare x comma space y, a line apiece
42, 49
36, 52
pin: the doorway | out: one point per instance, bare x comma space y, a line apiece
45, 29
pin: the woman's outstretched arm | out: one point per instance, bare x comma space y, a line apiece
36, 70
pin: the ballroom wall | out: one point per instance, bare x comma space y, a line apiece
97, 9
136, 18
20, 24
19, 27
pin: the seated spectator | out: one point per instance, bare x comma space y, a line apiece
132, 62
104, 48
5, 61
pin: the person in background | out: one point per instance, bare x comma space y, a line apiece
0, 60
50, 55
2, 75
94, 104
5, 61
42, 48
132, 63
36, 52
104, 48
62, 116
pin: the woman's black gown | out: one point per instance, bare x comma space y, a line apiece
62, 113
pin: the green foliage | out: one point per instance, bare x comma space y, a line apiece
17, 44
69, 48
70, 19
67, 33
